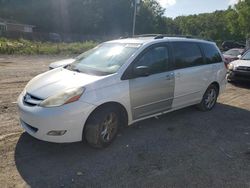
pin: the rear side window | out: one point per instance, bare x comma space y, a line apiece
212, 55
156, 59
186, 54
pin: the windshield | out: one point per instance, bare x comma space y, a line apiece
233, 52
246, 56
105, 59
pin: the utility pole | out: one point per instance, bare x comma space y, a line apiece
136, 2
248, 41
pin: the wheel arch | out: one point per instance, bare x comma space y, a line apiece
122, 110
201, 104
217, 85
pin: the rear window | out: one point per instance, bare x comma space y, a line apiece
212, 55
186, 54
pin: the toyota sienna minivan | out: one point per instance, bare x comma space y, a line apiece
119, 83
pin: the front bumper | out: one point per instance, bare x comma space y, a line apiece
235, 75
38, 121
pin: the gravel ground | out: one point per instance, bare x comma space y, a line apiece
185, 148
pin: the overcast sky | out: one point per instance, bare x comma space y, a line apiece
176, 8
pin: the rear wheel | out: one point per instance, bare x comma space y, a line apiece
102, 126
209, 98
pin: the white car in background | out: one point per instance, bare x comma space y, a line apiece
65, 62
239, 70
119, 83
61, 63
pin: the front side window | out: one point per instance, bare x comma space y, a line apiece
186, 54
156, 59
105, 59
212, 54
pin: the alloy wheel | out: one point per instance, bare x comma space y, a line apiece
109, 127
210, 98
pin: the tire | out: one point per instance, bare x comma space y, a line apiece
209, 99
228, 79
102, 126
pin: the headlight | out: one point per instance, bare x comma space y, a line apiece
230, 66
62, 98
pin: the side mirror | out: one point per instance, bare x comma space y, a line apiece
239, 56
142, 71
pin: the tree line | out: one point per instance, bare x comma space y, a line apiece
114, 17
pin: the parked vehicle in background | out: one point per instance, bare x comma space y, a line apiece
240, 69
65, 62
227, 45
233, 54
55, 37
61, 63
119, 83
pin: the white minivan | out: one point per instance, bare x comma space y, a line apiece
118, 83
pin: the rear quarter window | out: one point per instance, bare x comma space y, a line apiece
212, 54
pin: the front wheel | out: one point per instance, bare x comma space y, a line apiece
209, 99
229, 78
102, 126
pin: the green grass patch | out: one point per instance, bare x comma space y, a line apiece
26, 47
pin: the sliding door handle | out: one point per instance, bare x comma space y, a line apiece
177, 75
170, 76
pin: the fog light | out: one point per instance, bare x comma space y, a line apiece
57, 133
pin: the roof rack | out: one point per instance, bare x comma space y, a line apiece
161, 36
147, 35
157, 36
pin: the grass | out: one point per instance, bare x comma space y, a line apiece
26, 47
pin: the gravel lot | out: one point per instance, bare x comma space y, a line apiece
186, 148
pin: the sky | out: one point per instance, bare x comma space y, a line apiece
176, 8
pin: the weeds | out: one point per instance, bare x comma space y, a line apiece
26, 47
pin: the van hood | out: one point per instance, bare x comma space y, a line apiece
58, 80
245, 63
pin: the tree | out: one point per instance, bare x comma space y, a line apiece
243, 10
150, 18
115, 18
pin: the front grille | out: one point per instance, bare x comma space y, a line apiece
31, 100
243, 68
242, 76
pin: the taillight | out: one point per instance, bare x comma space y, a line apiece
225, 61
226, 65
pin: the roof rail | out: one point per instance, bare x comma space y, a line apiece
147, 35
161, 36
157, 36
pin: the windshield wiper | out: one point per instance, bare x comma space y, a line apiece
76, 70
72, 68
